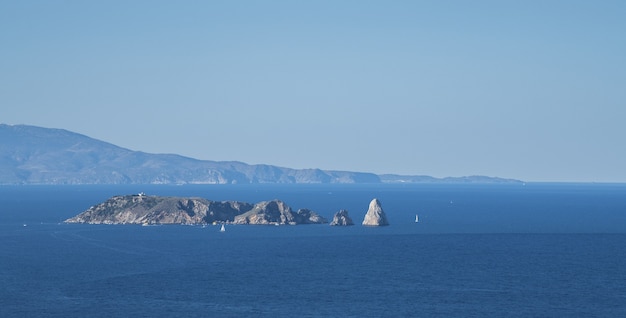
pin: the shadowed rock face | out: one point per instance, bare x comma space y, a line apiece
142, 209
375, 215
341, 218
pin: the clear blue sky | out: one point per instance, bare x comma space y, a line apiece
534, 90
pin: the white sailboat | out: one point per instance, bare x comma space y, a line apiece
416, 218
223, 229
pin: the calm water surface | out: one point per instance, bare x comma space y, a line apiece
541, 250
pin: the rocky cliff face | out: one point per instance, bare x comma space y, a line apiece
278, 213
142, 209
375, 215
341, 218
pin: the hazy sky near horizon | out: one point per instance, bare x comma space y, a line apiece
533, 90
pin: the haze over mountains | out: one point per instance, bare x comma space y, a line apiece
36, 155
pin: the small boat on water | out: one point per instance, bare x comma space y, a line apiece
223, 229
416, 218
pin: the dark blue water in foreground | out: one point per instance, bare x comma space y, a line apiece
540, 250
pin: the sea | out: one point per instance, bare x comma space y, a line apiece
478, 250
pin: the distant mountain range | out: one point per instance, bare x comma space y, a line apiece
36, 155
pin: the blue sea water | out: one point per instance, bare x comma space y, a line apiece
535, 250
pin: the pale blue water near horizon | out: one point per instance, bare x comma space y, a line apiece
539, 250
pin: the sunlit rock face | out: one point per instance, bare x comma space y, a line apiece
375, 215
143, 209
277, 212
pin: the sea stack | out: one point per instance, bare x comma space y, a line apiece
341, 218
375, 215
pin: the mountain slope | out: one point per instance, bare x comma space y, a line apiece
35, 155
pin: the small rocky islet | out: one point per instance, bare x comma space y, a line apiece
341, 218
157, 210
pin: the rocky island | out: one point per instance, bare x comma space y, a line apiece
341, 218
375, 215
277, 212
156, 210
152, 210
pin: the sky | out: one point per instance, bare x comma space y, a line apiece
532, 90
